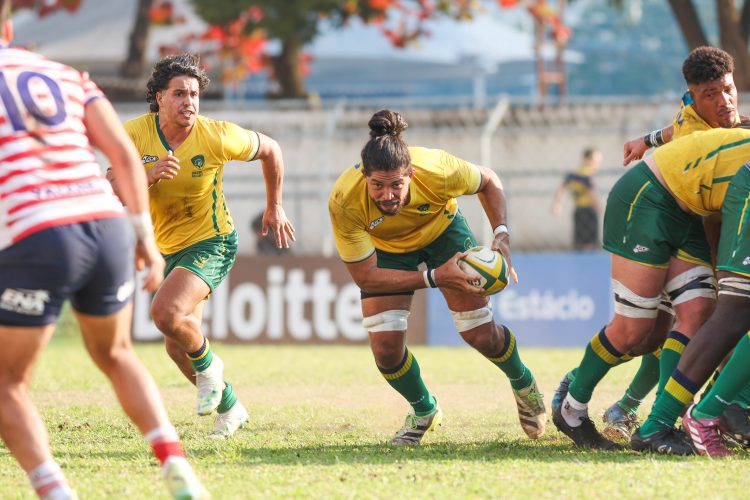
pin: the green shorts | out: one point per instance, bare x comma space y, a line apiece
209, 259
734, 243
457, 237
643, 223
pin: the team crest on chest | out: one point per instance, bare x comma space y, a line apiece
198, 160
376, 222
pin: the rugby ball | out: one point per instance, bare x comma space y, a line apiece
489, 267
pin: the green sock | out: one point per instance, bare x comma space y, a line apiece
670, 356
201, 359
710, 384
228, 398
599, 357
734, 377
743, 397
407, 380
678, 392
509, 361
644, 381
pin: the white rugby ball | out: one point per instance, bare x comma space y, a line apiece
489, 267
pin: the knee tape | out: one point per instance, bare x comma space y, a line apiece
693, 283
630, 305
387, 321
739, 287
466, 320
665, 304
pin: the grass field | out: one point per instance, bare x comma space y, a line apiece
320, 418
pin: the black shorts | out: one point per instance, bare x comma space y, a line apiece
90, 263
585, 226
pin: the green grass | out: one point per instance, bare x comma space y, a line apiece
320, 418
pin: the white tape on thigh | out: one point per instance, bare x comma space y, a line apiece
739, 287
630, 305
387, 321
665, 304
466, 320
695, 282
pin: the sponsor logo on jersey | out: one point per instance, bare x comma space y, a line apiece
198, 160
22, 301
376, 222
640, 249
149, 159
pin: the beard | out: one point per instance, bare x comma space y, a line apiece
391, 208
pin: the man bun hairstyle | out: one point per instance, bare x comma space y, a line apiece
705, 64
169, 67
386, 150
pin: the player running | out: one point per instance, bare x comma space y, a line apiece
184, 155
64, 235
396, 209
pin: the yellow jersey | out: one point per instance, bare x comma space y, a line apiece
698, 167
359, 227
688, 121
191, 207
580, 185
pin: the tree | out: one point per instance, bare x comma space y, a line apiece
295, 23
134, 62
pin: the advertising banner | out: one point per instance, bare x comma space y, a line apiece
560, 300
287, 299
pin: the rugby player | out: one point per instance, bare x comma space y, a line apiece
64, 235
184, 154
651, 226
390, 212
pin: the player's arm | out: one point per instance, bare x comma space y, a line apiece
373, 279
634, 149
106, 133
274, 217
557, 200
492, 198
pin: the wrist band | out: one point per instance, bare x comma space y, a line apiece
654, 139
429, 278
142, 226
501, 229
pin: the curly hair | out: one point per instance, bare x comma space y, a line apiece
386, 150
168, 68
705, 64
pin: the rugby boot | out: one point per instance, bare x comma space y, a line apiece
228, 422
619, 424
531, 411
210, 384
705, 435
415, 427
735, 425
668, 441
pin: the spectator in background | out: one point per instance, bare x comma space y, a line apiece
265, 244
580, 184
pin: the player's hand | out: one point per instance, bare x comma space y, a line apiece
634, 150
147, 256
165, 168
501, 243
555, 208
449, 275
275, 220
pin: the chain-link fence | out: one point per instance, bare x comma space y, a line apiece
530, 146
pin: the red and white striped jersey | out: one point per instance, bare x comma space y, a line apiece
49, 175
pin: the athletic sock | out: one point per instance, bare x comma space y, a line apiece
49, 482
645, 379
671, 353
573, 411
228, 398
509, 361
406, 378
678, 392
734, 378
165, 443
201, 359
599, 357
